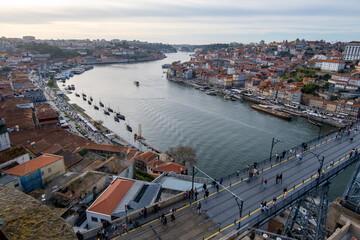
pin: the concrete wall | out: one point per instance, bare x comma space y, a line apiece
339, 215
53, 170
98, 216
136, 214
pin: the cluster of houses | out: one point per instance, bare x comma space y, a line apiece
271, 71
84, 182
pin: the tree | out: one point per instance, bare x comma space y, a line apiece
98, 123
310, 88
183, 154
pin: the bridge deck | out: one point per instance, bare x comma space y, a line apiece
222, 208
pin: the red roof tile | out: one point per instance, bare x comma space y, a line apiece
147, 157
112, 196
33, 165
109, 148
171, 167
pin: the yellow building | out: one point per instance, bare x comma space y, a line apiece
37, 172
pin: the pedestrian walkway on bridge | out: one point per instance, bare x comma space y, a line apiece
220, 208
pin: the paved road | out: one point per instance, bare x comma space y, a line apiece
222, 208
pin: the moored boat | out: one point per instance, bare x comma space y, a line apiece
120, 116
116, 119
84, 98
314, 122
91, 99
101, 104
76, 94
270, 110
106, 112
128, 127
89, 102
83, 94
110, 109
96, 107
136, 83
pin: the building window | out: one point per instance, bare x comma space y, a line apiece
49, 170
103, 220
16, 185
94, 219
42, 173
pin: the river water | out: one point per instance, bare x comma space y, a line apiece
226, 135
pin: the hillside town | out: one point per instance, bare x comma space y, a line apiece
52, 153
321, 79
68, 162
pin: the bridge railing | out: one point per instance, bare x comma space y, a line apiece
298, 149
273, 211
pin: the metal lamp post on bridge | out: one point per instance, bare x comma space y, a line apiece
274, 141
239, 201
320, 158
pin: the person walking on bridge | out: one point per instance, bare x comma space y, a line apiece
198, 207
285, 192
204, 186
196, 194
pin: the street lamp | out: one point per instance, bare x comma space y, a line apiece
274, 141
321, 126
320, 158
239, 201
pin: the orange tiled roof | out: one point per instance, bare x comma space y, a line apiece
38, 146
131, 154
112, 196
147, 156
101, 147
33, 165
53, 149
171, 167
155, 163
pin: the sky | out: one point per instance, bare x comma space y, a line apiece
182, 21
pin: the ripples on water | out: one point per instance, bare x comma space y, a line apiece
226, 135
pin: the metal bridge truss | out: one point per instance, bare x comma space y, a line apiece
302, 195
307, 218
351, 198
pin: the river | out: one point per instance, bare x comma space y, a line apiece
226, 135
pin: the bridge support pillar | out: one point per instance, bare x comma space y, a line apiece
307, 217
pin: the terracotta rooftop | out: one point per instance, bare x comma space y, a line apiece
109, 148
171, 167
146, 157
112, 196
38, 147
12, 153
132, 153
53, 149
52, 134
33, 165
155, 163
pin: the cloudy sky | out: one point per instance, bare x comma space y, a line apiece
182, 21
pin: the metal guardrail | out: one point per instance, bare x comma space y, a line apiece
285, 203
297, 148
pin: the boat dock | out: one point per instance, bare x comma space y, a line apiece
150, 146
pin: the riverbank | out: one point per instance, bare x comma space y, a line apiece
300, 110
71, 111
